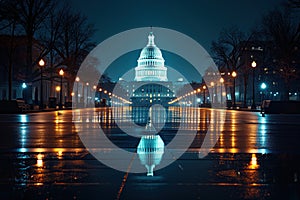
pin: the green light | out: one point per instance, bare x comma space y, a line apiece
263, 86
24, 85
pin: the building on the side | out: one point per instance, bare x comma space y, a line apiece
13, 60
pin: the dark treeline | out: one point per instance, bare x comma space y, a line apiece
51, 30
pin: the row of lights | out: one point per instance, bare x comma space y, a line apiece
187, 95
212, 84
121, 99
110, 94
42, 64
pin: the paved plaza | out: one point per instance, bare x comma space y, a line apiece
255, 157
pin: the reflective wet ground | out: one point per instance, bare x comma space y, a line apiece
255, 157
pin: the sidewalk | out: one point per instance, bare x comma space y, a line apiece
246, 109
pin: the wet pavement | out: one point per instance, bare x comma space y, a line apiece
255, 157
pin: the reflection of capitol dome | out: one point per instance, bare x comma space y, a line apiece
151, 63
150, 151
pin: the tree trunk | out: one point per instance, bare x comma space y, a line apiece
51, 73
287, 90
29, 68
245, 91
10, 62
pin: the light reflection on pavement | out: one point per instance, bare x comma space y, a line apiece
255, 158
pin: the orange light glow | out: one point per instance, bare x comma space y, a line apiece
41, 63
253, 162
61, 72
57, 88
39, 161
233, 74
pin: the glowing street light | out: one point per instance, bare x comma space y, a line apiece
42, 63
263, 86
57, 88
221, 80
61, 72
24, 86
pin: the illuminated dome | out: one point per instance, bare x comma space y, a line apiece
151, 51
151, 63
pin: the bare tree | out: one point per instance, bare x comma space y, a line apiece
8, 19
226, 52
74, 42
49, 36
283, 34
51, 30
30, 16
293, 3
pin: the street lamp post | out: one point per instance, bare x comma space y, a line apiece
263, 86
61, 73
198, 98
253, 65
204, 88
233, 74
77, 91
93, 102
221, 83
57, 88
87, 94
109, 98
24, 86
41, 64
100, 96
212, 84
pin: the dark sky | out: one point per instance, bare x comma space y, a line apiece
202, 20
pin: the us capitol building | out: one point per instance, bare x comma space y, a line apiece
151, 85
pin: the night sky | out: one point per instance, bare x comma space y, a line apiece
202, 20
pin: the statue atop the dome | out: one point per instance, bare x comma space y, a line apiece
151, 39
